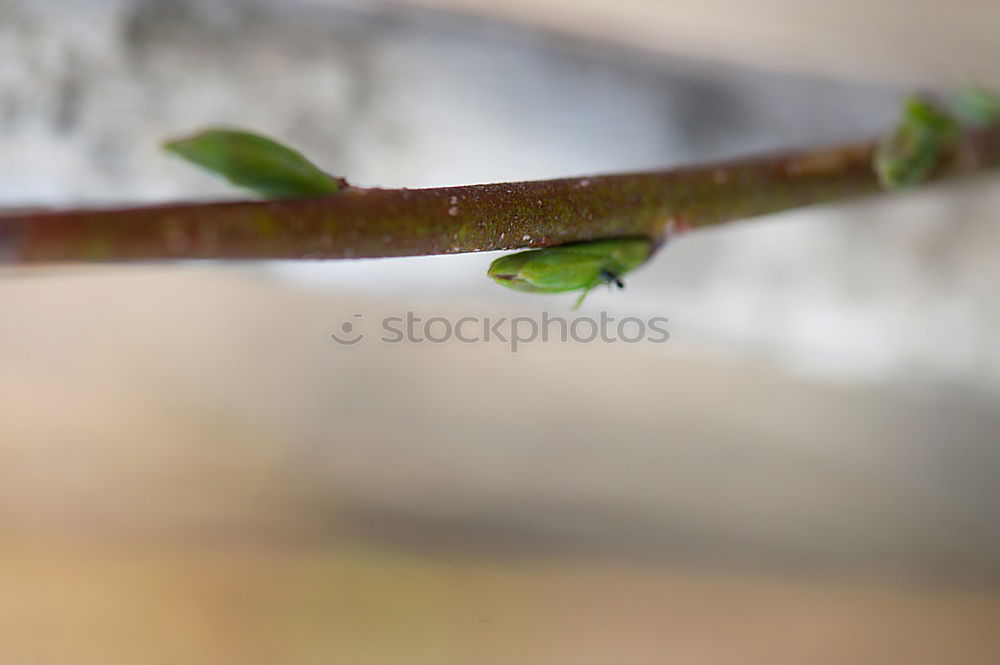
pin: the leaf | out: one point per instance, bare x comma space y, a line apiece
256, 163
978, 105
925, 136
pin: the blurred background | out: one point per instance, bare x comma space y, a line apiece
192, 471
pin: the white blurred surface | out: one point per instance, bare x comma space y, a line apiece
899, 290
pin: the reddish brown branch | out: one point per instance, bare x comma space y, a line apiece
359, 222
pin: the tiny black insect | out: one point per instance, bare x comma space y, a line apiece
610, 277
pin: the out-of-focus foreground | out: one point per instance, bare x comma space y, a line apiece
193, 471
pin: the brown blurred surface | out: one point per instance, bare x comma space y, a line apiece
192, 471
110, 604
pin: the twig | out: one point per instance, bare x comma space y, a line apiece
360, 223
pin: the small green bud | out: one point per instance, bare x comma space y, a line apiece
924, 137
571, 267
255, 163
978, 105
